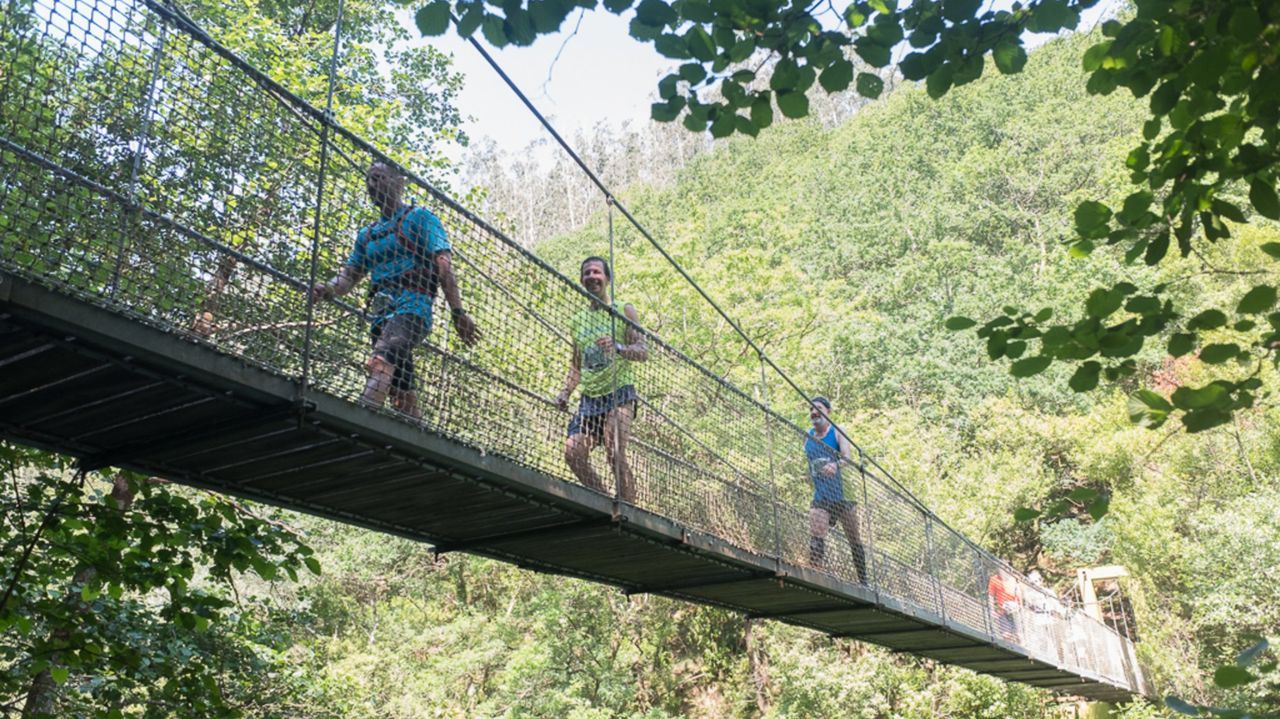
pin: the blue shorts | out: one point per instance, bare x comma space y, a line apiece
589, 419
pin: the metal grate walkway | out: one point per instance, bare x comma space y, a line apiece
163, 208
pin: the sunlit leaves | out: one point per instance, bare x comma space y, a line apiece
1010, 57
1148, 409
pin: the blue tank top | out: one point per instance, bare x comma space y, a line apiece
820, 452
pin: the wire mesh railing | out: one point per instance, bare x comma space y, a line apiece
150, 170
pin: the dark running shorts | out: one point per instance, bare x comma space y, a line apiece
834, 507
1007, 624
394, 339
589, 419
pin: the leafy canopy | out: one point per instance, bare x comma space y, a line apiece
1207, 161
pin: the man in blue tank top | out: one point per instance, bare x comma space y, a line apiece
406, 256
827, 451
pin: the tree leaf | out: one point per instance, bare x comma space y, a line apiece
433, 18
1219, 353
1092, 216
1199, 398
1103, 303
1208, 320
1085, 377
1199, 420
1181, 343
1230, 675
1258, 299
762, 111
869, 85
1099, 508
1030, 366
793, 104
59, 674
666, 111
1010, 56
873, 53
1263, 196
837, 76
1148, 409
958, 323
1025, 514
1083, 494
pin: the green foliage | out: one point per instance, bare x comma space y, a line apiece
122, 593
1210, 132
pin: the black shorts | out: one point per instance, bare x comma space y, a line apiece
592, 411
393, 339
834, 508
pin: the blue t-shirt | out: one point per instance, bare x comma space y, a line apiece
381, 255
821, 452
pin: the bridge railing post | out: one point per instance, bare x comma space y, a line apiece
981, 575
869, 533
931, 558
326, 132
775, 501
140, 150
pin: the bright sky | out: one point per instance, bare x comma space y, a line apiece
602, 75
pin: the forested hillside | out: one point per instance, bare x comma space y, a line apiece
842, 250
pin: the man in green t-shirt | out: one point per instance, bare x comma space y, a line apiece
604, 348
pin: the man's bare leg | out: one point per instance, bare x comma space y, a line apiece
819, 524
379, 382
406, 402
848, 518
577, 454
617, 432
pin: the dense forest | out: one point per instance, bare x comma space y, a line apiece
842, 246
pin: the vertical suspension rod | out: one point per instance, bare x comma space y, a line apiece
144, 133
325, 132
773, 477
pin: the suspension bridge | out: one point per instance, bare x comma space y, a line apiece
164, 206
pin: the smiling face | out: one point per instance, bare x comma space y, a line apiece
817, 416
595, 278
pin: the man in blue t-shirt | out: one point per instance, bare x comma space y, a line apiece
406, 255
827, 450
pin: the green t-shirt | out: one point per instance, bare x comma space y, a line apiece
601, 373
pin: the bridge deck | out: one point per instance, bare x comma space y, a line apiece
85, 381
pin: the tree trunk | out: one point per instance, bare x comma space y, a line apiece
43, 690
758, 665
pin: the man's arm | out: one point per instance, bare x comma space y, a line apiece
571, 379
340, 285
635, 349
846, 448
462, 321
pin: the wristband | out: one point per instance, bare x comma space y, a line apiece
457, 311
